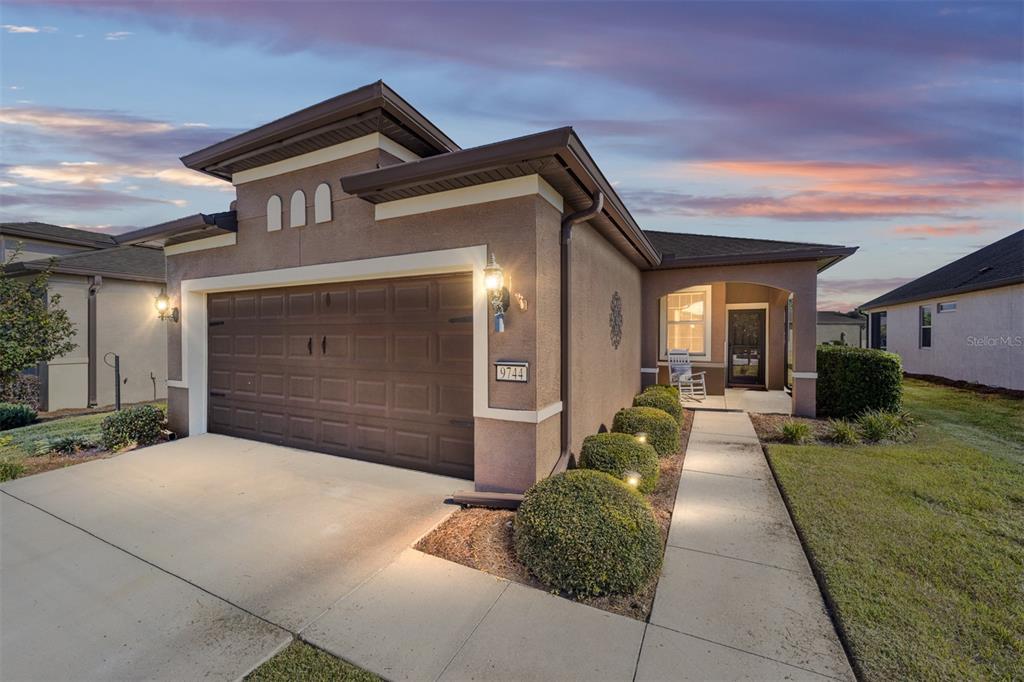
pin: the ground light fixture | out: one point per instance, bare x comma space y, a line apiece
162, 303
632, 478
494, 282
642, 437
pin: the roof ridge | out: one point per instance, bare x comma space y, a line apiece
758, 239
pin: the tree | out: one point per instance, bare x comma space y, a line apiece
33, 328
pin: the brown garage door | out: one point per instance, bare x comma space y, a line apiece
378, 370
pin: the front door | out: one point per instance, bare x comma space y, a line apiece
746, 348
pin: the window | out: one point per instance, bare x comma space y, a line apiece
685, 321
273, 213
878, 330
948, 307
925, 335
297, 210
322, 203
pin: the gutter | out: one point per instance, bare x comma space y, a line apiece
94, 288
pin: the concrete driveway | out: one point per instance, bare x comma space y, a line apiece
196, 558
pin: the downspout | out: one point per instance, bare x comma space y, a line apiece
94, 288
596, 204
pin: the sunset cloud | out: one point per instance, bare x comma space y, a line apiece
922, 231
70, 122
92, 173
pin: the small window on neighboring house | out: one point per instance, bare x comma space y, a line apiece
322, 203
925, 317
297, 210
273, 213
685, 321
949, 307
878, 330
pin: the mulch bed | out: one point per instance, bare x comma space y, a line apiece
769, 427
37, 464
482, 539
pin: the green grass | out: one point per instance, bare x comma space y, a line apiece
921, 544
301, 661
23, 439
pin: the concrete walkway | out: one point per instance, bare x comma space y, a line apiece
744, 400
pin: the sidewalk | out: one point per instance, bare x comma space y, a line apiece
736, 598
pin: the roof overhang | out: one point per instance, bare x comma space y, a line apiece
825, 257
55, 266
557, 155
187, 229
369, 109
17, 231
881, 303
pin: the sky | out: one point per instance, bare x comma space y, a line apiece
897, 127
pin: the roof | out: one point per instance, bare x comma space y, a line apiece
556, 155
369, 109
692, 250
996, 265
833, 317
57, 233
181, 230
137, 263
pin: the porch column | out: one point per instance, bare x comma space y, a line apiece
805, 356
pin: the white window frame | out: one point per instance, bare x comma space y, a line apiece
921, 326
663, 322
939, 310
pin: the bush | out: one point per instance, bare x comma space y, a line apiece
23, 388
587, 533
617, 453
663, 400
10, 469
880, 425
854, 380
141, 424
13, 415
795, 432
842, 432
661, 428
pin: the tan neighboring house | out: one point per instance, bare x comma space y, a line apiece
347, 302
848, 329
108, 291
964, 321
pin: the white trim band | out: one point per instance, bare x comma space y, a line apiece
648, 370
524, 416
229, 239
468, 196
805, 375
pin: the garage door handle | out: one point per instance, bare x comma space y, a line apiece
218, 394
309, 345
464, 423
323, 346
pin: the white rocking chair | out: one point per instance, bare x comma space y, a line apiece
691, 385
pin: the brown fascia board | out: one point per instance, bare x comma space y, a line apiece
226, 221
879, 304
560, 143
826, 258
24, 267
346, 105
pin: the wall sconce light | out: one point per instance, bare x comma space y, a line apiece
163, 306
631, 478
494, 282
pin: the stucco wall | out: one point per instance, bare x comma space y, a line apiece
605, 378
982, 342
855, 334
68, 375
127, 324
523, 234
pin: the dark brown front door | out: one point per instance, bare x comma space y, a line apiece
746, 348
378, 370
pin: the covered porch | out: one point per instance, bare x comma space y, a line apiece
745, 400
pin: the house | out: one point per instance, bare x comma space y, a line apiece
964, 321
378, 292
843, 328
108, 291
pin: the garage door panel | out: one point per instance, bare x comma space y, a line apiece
372, 370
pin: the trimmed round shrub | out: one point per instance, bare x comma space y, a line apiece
140, 424
587, 533
661, 428
617, 453
663, 400
13, 415
852, 381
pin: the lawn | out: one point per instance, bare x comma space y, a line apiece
301, 661
921, 545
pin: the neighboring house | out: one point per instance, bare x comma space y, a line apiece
108, 291
964, 321
847, 328
342, 304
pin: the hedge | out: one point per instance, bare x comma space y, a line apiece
661, 399
617, 453
854, 380
140, 424
587, 533
661, 428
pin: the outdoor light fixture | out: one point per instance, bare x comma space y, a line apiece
631, 478
642, 437
163, 306
494, 282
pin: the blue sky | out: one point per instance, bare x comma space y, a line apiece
895, 126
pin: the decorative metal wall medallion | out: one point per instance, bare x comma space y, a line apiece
615, 320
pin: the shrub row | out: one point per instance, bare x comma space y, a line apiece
853, 380
873, 426
661, 428
617, 453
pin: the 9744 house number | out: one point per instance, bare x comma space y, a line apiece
511, 371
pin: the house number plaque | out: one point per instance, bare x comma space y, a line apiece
512, 370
